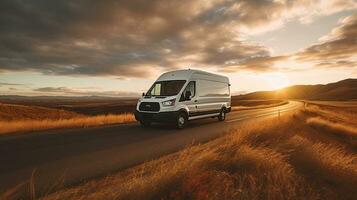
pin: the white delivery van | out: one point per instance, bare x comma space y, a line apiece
183, 95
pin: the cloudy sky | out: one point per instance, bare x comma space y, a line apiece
118, 47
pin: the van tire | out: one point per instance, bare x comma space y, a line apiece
222, 115
181, 120
145, 123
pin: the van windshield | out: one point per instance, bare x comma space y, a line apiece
166, 88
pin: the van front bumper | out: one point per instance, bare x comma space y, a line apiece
156, 117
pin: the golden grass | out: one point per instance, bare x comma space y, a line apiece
340, 122
12, 112
281, 158
346, 115
340, 128
22, 118
82, 121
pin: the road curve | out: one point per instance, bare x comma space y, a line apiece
74, 155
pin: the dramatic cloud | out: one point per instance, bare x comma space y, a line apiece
137, 38
265, 63
83, 92
338, 49
9, 84
13, 89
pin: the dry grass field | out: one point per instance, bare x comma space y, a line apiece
82, 105
7, 127
310, 154
21, 118
43, 114
110, 105
11, 112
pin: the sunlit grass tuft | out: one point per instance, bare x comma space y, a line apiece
338, 128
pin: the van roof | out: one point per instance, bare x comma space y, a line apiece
186, 74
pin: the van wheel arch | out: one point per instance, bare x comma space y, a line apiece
182, 110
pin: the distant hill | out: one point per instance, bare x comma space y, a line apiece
10, 112
342, 90
87, 105
59, 98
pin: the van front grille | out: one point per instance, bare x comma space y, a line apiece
149, 106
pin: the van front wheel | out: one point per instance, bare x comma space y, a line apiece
181, 120
222, 115
145, 123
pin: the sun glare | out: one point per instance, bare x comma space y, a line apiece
276, 80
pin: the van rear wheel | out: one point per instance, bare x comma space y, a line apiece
222, 115
181, 120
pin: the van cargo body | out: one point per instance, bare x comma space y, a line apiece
183, 95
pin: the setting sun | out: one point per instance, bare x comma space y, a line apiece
276, 80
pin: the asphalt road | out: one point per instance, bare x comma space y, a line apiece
74, 155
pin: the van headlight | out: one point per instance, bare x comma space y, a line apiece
169, 102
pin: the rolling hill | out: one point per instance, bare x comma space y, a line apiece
13, 112
342, 90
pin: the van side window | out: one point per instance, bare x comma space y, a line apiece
208, 88
191, 86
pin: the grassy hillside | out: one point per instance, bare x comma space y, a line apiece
105, 105
342, 90
310, 154
15, 126
10, 112
87, 105
21, 118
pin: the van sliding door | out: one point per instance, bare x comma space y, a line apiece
211, 96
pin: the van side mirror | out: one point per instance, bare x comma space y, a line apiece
143, 93
188, 95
